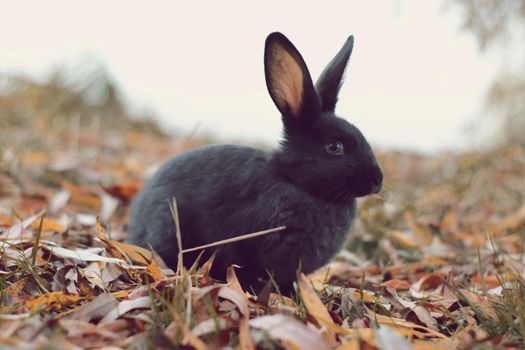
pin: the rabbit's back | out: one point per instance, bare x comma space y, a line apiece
200, 180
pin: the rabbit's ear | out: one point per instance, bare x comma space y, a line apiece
331, 78
288, 81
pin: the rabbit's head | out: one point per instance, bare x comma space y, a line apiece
320, 152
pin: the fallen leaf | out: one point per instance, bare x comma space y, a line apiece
126, 306
93, 274
16, 288
58, 201
135, 253
387, 339
510, 222
54, 301
396, 284
124, 191
96, 308
314, 305
286, 328
78, 255
15, 231
423, 234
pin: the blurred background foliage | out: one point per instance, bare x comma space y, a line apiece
91, 98
500, 25
88, 97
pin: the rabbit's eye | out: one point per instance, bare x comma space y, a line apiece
335, 148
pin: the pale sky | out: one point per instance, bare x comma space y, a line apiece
414, 80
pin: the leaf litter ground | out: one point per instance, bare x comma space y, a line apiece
436, 262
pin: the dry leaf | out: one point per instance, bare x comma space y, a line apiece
95, 309
387, 339
396, 284
54, 301
126, 306
314, 305
423, 234
289, 329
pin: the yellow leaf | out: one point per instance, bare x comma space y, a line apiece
89, 200
366, 297
52, 301
135, 253
121, 294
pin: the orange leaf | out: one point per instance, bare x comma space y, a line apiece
154, 271
121, 294
34, 158
124, 191
48, 225
490, 281
52, 301
100, 230
431, 345
365, 297
5, 220
396, 284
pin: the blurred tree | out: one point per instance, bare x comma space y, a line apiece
502, 23
91, 98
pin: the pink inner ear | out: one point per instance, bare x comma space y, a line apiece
287, 77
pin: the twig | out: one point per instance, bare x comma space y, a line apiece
235, 239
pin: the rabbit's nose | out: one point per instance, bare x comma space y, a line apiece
377, 179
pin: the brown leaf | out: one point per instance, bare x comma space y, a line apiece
423, 234
16, 288
314, 305
96, 308
510, 222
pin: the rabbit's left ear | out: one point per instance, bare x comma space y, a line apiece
331, 78
289, 82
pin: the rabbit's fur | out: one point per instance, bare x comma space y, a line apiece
309, 184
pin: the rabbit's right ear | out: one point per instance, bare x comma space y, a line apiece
289, 82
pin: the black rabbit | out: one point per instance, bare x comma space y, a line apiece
309, 184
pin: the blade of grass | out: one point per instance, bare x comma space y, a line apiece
37, 240
175, 215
